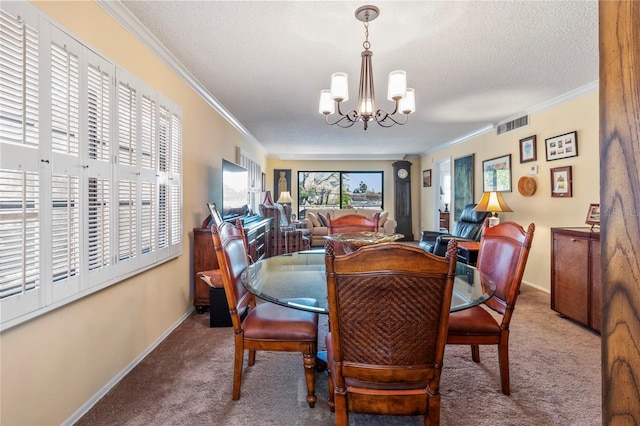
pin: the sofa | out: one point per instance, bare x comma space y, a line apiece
314, 221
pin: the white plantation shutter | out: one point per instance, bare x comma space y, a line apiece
90, 169
65, 100
20, 182
127, 125
176, 215
148, 218
19, 94
98, 223
19, 233
98, 112
175, 181
164, 130
65, 220
164, 139
99, 171
127, 220
163, 216
148, 139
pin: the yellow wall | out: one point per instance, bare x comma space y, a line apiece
581, 115
52, 365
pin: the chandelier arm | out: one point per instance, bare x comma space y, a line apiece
345, 120
383, 116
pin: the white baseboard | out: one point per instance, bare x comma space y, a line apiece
106, 388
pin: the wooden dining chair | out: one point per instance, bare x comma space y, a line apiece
388, 310
352, 223
504, 249
262, 326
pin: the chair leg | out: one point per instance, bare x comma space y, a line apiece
475, 353
503, 359
237, 370
432, 418
330, 398
310, 377
252, 357
342, 416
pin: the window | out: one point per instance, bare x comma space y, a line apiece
340, 190
78, 211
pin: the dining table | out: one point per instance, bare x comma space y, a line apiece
284, 278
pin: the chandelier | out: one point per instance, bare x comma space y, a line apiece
365, 110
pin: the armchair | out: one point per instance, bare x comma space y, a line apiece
285, 237
468, 228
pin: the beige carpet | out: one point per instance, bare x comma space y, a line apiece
555, 380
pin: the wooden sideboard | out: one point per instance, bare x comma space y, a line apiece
204, 256
576, 285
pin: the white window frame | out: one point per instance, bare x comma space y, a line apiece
71, 173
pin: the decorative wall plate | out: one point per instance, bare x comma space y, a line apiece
527, 186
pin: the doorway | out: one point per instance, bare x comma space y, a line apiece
442, 194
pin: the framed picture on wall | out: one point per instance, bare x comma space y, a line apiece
462, 184
561, 182
593, 215
426, 178
281, 182
496, 174
528, 150
562, 146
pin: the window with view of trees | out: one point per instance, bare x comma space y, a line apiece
339, 190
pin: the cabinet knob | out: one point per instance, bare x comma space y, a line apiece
573, 240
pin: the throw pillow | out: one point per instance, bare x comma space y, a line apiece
313, 218
323, 219
382, 218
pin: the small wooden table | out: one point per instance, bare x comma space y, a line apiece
468, 252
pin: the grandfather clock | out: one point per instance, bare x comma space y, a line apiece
402, 179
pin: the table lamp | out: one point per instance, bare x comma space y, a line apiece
285, 197
494, 203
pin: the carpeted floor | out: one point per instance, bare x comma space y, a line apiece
186, 380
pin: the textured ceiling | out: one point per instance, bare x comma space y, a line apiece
472, 64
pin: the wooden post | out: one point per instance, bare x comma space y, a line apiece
620, 209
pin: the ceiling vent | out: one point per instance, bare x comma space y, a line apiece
513, 124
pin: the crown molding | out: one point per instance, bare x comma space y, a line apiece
125, 18
338, 157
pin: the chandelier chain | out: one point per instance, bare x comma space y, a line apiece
366, 43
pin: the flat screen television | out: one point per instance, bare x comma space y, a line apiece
235, 190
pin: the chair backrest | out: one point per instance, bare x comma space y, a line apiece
230, 247
352, 223
470, 223
504, 249
389, 312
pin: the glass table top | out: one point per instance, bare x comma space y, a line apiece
302, 274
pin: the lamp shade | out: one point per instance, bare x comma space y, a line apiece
285, 197
397, 85
326, 103
408, 103
339, 87
492, 202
